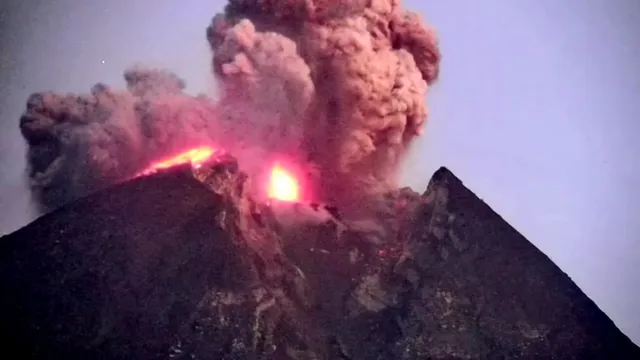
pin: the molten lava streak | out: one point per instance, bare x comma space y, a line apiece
282, 185
195, 157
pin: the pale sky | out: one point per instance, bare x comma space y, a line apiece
535, 111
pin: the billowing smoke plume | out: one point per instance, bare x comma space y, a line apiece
78, 144
353, 74
337, 84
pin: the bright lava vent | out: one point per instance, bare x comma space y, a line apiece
283, 186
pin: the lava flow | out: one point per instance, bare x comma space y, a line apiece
282, 184
194, 156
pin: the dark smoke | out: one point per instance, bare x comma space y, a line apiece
339, 86
82, 143
355, 74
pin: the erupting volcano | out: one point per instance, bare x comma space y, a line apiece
168, 245
339, 89
282, 184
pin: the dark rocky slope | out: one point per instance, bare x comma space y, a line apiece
188, 267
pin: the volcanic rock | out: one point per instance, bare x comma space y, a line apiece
183, 264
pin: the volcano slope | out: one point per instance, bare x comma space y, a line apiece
183, 264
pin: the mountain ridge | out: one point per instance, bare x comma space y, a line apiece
185, 264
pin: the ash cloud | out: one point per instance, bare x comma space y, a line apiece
338, 86
354, 75
80, 143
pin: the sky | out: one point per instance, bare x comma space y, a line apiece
535, 111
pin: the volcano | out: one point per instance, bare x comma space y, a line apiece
183, 263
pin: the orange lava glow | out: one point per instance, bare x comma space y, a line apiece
195, 157
283, 186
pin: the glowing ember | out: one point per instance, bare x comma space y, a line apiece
282, 185
195, 157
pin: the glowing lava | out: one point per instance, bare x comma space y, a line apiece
282, 185
195, 157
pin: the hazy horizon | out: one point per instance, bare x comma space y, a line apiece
535, 111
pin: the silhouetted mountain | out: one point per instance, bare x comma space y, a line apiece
184, 265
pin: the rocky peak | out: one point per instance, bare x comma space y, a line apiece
184, 264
